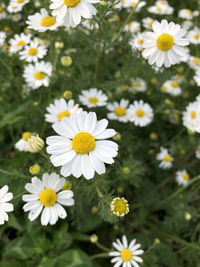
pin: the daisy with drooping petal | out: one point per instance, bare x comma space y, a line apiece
21, 145
140, 113
70, 11
194, 36
5, 207
38, 75
118, 110
33, 52
182, 177
80, 147
2, 38
60, 108
165, 158
126, 255
19, 41
138, 85
119, 206
42, 22
164, 45
45, 197
93, 98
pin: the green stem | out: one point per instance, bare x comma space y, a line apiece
19, 195
100, 255
98, 191
13, 173
102, 247
44, 154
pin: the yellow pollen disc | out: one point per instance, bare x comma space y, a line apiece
140, 41
32, 51
165, 42
120, 111
126, 254
163, 2
136, 84
93, 100
167, 158
72, 3
48, 21
189, 11
26, 136
63, 114
83, 143
133, 4
158, 8
119, 206
175, 117
20, 43
164, 89
151, 23
39, 75
126, 87
193, 114
174, 84
186, 176
20, 1
196, 36
196, 60
48, 197
1, 9
140, 113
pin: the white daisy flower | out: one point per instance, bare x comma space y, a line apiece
161, 10
165, 158
126, 255
174, 118
133, 3
38, 75
2, 38
194, 36
163, 46
14, 8
16, 17
5, 207
21, 145
70, 11
191, 117
185, 14
148, 22
90, 25
118, 110
19, 2
61, 108
133, 26
93, 98
187, 24
172, 87
137, 41
138, 85
140, 113
197, 76
194, 62
45, 197
3, 14
182, 177
19, 41
33, 52
42, 22
80, 147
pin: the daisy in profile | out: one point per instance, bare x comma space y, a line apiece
47, 197
133, 4
42, 22
182, 177
133, 26
21, 145
191, 117
118, 110
80, 146
197, 76
2, 38
140, 113
164, 45
172, 87
19, 41
33, 52
185, 14
137, 41
165, 157
38, 75
126, 255
194, 36
138, 85
93, 98
147, 23
5, 207
70, 11
61, 108
194, 62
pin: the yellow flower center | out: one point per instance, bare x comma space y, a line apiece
63, 114
175, 117
48, 21
83, 143
167, 158
151, 23
133, 4
26, 136
119, 206
93, 100
126, 87
186, 176
20, 1
120, 111
137, 84
158, 8
189, 11
1, 9
20, 43
165, 42
48, 197
32, 51
140, 41
196, 36
39, 75
174, 84
72, 3
164, 89
193, 114
196, 60
140, 113
126, 254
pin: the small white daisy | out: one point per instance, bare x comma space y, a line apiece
21, 145
140, 113
118, 110
16, 17
172, 87
5, 207
148, 22
70, 11
182, 177
174, 118
164, 45
161, 10
3, 14
139, 85
19, 2
132, 26
33, 52
126, 254
165, 158
38, 75
137, 41
45, 197
191, 117
187, 24
80, 147
194, 36
185, 14
42, 22
197, 76
14, 8
93, 98
194, 62
19, 41
61, 108
2, 38
133, 4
